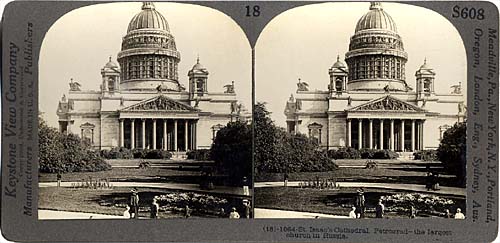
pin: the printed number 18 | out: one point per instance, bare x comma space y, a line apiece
253, 11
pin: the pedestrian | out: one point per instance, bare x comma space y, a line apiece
360, 203
352, 213
447, 214
285, 179
187, 212
154, 208
428, 183
59, 177
134, 203
234, 214
126, 213
413, 212
379, 209
246, 191
459, 214
246, 205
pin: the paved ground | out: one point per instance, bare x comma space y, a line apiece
52, 214
259, 213
235, 191
455, 191
274, 213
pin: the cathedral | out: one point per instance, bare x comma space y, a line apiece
368, 103
141, 103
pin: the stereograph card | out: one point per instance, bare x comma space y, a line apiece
250, 121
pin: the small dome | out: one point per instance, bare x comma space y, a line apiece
198, 65
148, 18
110, 64
376, 18
339, 64
425, 66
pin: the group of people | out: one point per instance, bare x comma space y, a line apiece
132, 209
359, 209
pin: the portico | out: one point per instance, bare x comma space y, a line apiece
169, 134
386, 123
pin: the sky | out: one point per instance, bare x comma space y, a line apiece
304, 43
79, 44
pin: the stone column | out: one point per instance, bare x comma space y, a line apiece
132, 134
154, 133
403, 135
381, 138
165, 147
143, 134
195, 134
391, 147
122, 142
186, 135
360, 133
422, 135
370, 131
348, 135
175, 135
412, 135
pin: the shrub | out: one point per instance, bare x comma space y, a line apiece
195, 201
144, 164
200, 154
139, 153
157, 154
117, 153
426, 155
385, 154
367, 153
344, 153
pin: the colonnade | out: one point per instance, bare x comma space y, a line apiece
403, 135
165, 134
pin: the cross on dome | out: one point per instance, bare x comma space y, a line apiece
148, 5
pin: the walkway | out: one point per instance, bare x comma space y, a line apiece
53, 214
455, 191
226, 190
275, 213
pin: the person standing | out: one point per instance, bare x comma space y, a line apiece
447, 214
413, 212
154, 208
285, 179
360, 203
246, 204
459, 214
187, 212
352, 213
234, 214
134, 203
59, 177
246, 190
379, 209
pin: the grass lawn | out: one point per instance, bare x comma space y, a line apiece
337, 202
129, 174
361, 175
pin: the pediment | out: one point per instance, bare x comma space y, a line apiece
387, 103
160, 103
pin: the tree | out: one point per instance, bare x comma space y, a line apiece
59, 153
232, 151
452, 151
278, 151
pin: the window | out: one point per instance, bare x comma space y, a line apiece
315, 132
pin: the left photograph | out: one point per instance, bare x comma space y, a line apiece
130, 130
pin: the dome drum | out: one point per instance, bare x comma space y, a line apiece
378, 40
149, 39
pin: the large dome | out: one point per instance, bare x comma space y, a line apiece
148, 18
376, 18
376, 58
149, 55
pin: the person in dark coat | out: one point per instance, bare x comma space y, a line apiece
134, 203
379, 210
360, 203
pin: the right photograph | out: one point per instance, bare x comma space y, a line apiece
360, 113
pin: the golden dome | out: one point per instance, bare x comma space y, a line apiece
148, 18
376, 18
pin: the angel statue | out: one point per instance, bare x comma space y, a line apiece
302, 86
74, 86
